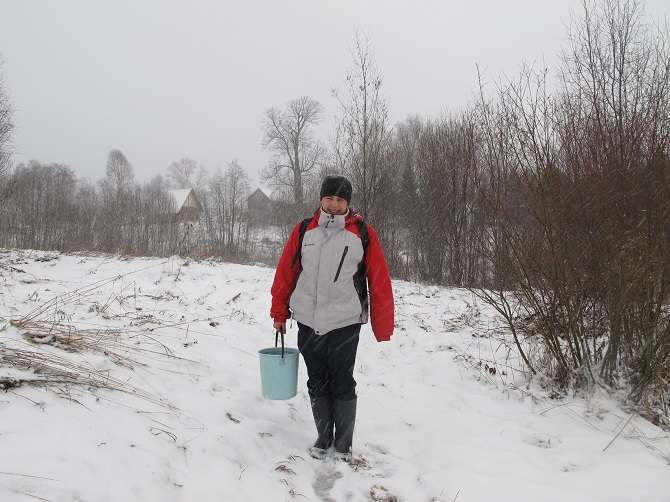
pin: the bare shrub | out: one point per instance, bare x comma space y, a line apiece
576, 196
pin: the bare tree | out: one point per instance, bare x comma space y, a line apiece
216, 212
119, 177
200, 178
439, 190
406, 145
225, 205
88, 211
363, 133
6, 124
41, 212
237, 190
180, 173
117, 190
297, 154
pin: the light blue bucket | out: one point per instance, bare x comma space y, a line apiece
279, 372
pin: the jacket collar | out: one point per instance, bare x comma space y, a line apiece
349, 218
327, 220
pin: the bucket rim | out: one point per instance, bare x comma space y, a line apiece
273, 351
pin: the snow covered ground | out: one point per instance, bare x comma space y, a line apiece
171, 408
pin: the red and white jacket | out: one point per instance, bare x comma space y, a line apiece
328, 286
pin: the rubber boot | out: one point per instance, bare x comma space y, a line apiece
322, 409
345, 420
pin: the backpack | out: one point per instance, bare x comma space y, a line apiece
362, 229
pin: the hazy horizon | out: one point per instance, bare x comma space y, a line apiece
165, 80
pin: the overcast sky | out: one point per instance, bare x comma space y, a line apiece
165, 79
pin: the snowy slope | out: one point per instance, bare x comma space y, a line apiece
171, 408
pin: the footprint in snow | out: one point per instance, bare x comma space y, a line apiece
542, 441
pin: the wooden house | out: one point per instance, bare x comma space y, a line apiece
187, 204
259, 201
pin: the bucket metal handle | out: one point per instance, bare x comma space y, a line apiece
282, 340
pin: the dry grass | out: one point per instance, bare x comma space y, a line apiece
50, 337
59, 374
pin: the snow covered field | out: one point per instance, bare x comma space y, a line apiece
170, 407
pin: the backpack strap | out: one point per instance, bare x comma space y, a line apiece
301, 234
365, 238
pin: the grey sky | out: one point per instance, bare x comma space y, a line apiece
164, 79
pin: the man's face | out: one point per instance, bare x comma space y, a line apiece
334, 205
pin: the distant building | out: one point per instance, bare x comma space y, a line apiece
259, 206
259, 201
187, 204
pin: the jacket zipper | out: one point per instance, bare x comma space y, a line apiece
346, 248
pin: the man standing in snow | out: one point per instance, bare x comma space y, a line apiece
323, 277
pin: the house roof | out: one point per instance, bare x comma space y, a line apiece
259, 191
180, 196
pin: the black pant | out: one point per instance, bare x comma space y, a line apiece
330, 361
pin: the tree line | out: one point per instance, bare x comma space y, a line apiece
548, 196
45, 206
